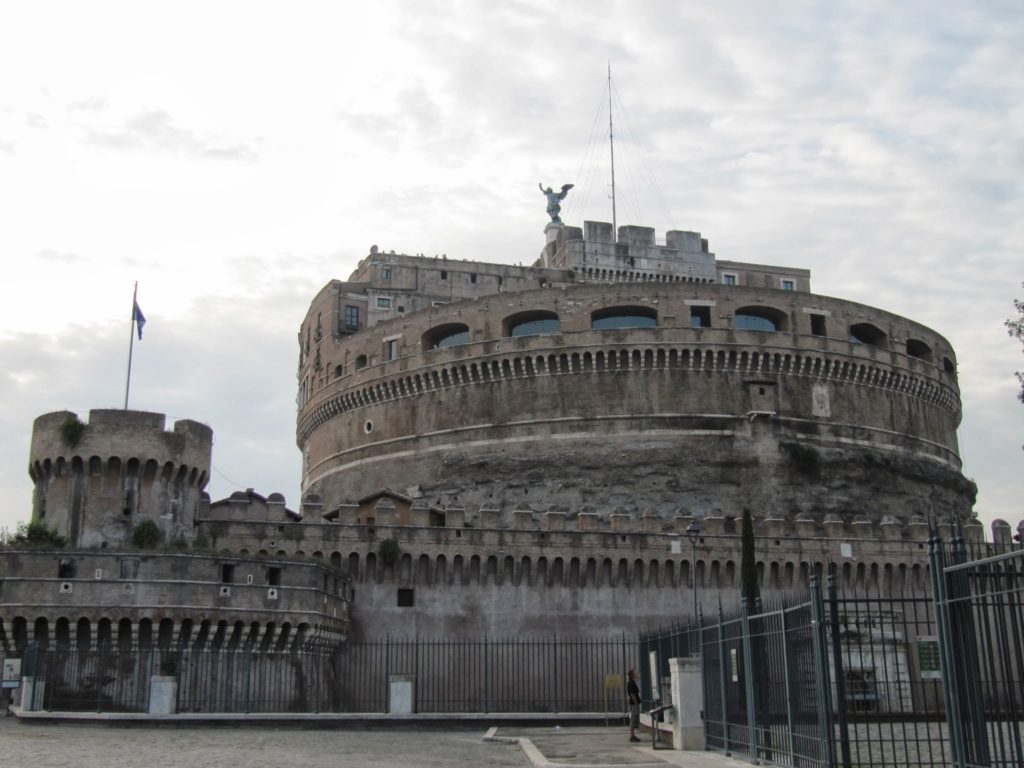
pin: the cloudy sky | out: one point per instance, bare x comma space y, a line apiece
233, 157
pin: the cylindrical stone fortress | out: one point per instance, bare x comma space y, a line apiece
657, 395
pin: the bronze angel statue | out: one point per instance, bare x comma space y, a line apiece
554, 198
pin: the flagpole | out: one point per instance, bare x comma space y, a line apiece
131, 344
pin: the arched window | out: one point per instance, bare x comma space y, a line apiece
866, 333
532, 323
447, 335
766, 319
360, 362
917, 348
624, 317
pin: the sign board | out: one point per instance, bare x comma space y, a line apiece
928, 663
613, 682
11, 674
652, 661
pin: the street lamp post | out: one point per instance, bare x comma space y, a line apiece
693, 533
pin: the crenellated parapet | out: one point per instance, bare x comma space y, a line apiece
96, 480
351, 535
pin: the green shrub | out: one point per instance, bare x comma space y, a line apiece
71, 431
389, 551
37, 534
146, 535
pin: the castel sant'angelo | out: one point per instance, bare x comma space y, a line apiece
493, 450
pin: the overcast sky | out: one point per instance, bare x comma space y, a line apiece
234, 157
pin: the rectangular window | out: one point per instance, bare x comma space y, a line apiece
406, 598
818, 325
444, 274
274, 576
386, 273
788, 285
728, 279
130, 568
472, 277
227, 573
383, 302
700, 317
351, 318
391, 349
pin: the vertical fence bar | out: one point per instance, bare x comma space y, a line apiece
950, 690
787, 692
819, 639
748, 675
722, 676
839, 667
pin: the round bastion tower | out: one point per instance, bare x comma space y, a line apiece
617, 376
96, 480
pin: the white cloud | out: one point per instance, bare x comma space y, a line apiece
878, 145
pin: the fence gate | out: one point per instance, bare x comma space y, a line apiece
980, 612
767, 692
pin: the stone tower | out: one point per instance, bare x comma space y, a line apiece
95, 481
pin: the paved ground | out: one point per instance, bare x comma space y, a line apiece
48, 745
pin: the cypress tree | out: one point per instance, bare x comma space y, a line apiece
748, 570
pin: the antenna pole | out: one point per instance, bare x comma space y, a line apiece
611, 146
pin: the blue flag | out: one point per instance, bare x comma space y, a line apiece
139, 318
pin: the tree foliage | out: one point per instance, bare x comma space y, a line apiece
1015, 327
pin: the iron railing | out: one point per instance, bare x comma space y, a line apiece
540, 675
981, 637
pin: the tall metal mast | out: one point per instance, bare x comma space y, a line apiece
611, 146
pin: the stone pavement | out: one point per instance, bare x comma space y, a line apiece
597, 747
331, 745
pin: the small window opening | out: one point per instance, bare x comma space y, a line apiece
227, 573
65, 568
788, 285
274, 576
444, 274
818, 325
360, 362
728, 279
700, 317
351, 318
129, 568
472, 277
406, 597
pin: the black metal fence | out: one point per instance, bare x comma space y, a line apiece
542, 675
875, 676
981, 638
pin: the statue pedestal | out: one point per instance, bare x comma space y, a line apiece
551, 231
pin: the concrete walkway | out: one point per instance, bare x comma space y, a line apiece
596, 747
355, 740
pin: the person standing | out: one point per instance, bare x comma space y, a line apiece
633, 694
